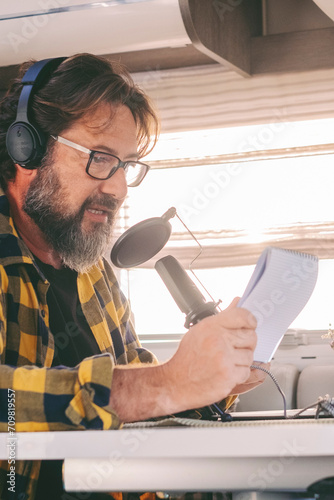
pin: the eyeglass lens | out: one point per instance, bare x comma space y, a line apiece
101, 165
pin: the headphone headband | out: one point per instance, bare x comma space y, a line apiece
25, 142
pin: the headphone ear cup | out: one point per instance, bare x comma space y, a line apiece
25, 144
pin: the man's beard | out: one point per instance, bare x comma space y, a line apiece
45, 203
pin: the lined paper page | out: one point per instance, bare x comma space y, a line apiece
279, 288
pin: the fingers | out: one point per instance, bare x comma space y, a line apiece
244, 339
242, 372
237, 317
244, 357
266, 366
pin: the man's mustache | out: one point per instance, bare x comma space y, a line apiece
103, 200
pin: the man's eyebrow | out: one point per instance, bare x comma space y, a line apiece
106, 149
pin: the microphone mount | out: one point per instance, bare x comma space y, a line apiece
183, 290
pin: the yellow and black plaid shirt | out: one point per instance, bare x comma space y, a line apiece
56, 398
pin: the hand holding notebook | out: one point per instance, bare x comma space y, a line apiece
279, 288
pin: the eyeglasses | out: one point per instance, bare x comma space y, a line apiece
102, 165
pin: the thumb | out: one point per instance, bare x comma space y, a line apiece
242, 313
233, 303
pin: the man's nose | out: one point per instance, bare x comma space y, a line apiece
116, 185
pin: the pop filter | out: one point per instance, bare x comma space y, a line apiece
142, 241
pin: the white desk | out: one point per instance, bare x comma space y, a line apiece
262, 456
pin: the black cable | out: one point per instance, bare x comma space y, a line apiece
224, 417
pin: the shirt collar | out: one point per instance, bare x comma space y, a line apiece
12, 248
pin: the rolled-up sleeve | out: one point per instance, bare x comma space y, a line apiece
59, 398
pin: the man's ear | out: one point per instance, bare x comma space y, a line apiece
21, 182
25, 172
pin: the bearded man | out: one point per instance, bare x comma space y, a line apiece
68, 349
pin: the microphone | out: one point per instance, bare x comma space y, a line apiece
184, 291
192, 303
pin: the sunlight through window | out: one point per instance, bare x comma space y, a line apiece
238, 204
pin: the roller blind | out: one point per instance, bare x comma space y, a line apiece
202, 97
203, 110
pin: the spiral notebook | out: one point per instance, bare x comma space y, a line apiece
279, 288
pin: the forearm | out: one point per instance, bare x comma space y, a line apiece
142, 392
212, 359
146, 391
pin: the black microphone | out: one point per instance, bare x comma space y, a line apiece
191, 302
184, 291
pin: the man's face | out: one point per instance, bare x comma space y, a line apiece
74, 211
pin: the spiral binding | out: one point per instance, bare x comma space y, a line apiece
296, 252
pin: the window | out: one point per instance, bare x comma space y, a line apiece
238, 190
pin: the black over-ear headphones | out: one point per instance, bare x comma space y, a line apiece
26, 143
